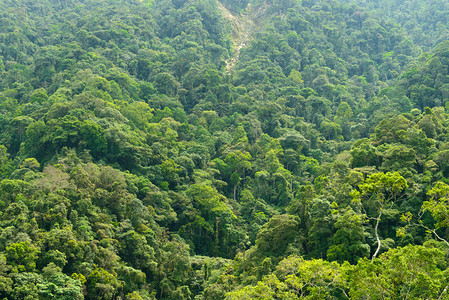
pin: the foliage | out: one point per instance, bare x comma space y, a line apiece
224, 150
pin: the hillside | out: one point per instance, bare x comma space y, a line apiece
229, 149
244, 27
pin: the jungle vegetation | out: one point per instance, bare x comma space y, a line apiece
240, 149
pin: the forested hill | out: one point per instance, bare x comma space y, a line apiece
241, 149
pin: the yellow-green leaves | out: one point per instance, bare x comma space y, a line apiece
411, 272
438, 205
22, 255
384, 184
297, 278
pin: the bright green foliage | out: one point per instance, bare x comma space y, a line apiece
207, 199
409, 272
183, 149
102, 284
438, 204
22, 256
58, 285
296, 278
314, 279
344, 111
39, 96
269, 288
379, 194
383, 186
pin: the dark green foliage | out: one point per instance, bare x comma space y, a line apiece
221, 150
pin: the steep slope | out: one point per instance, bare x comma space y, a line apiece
245, 25
136, 162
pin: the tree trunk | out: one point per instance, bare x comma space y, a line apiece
377, 235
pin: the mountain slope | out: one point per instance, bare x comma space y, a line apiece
222, 150
244, 26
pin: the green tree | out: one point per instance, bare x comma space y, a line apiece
379, 193
277, 235
22, 255
58, 285
5, 162
438, 207
313, 279
348, 242
102, 284
363, 153
236, 165
93, 135
408, 272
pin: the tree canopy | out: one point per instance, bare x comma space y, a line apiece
230, 149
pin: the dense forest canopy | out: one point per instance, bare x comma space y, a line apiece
233, 149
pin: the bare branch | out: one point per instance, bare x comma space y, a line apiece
377, 235
430, 230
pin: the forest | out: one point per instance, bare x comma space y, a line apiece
219, 150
